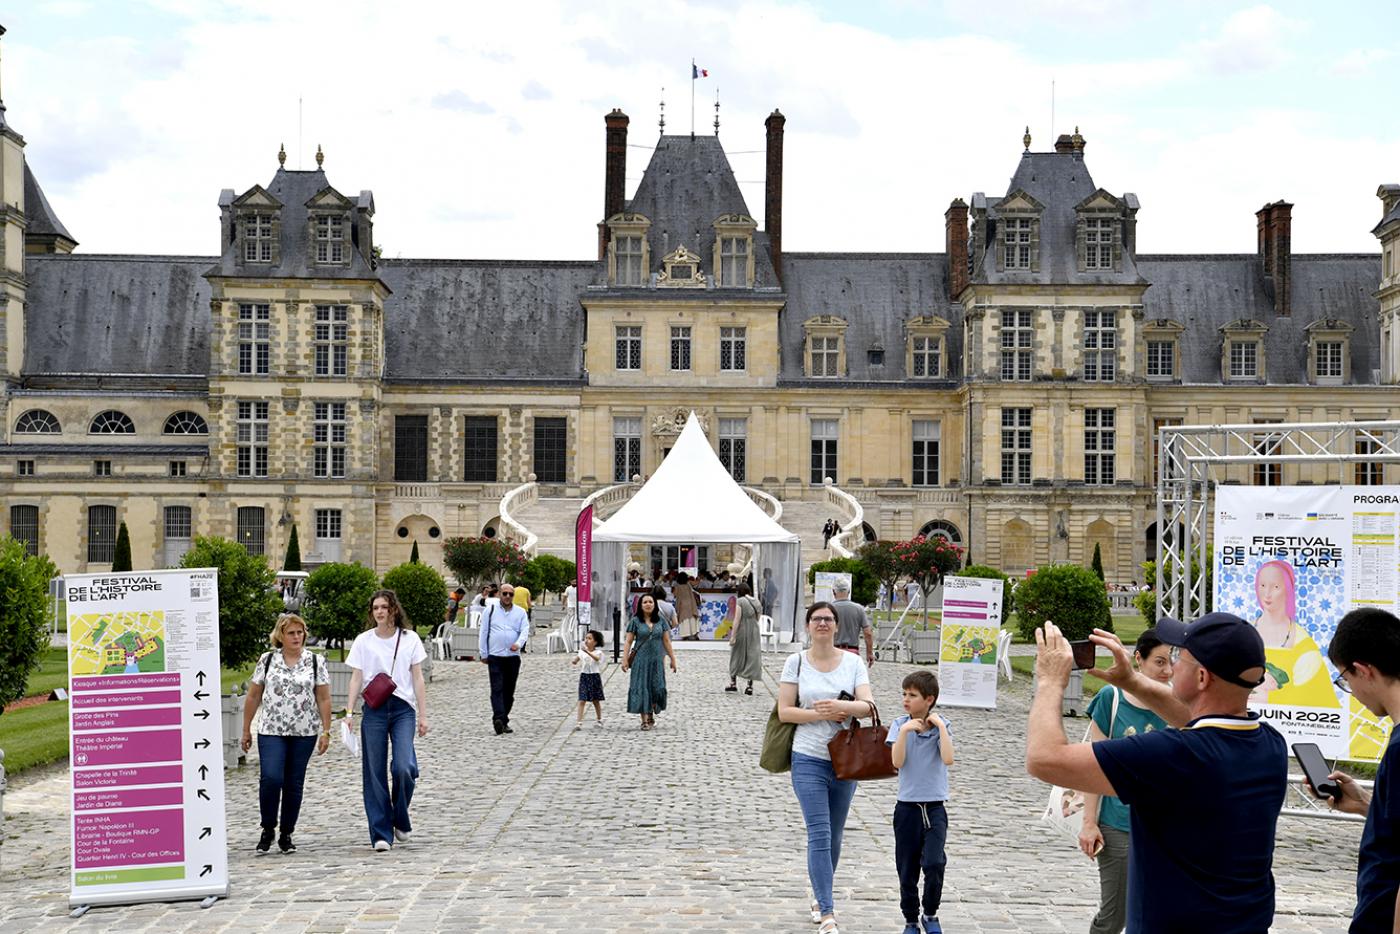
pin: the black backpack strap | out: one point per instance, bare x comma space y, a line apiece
267, 665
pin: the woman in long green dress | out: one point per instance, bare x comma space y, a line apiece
646, 689
745, 645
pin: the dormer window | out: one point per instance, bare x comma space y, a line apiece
826, 346
1162, 337
734, 250
1098, 231
330, 239
629, 259
257, 238
1098, 243
926, 347
1242, 359
1329, 351
1017, 237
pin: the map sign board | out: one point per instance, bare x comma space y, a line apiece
967, 653
147, 776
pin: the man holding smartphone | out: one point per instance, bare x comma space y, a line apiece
1366, 652
1203, 799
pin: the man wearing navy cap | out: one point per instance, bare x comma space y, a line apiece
1204, 799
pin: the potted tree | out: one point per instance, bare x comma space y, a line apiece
1074, 599
423, 594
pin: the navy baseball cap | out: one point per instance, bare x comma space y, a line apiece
1225, 645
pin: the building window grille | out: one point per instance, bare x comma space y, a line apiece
254, 339
627, 449
252, 432
734, 262
1016, 344
480, 449
733, 446
257, 238
1268, 443
37, 422
1329, 360
24, 468
826, 356
733, 349
1099, 444
927, 364
1100, 346
629, 347
1368, 473
329, 430
101, 468
178, 469
24, 527
102, 534
185, 423
629, 261
1161, 359
251, 529
410, 448
1244, 360
1016, 446
330, 240
328, 524
825, 433
1018, 242
680, 348
112, 422
332, 340
926, 439
1098, 243
551, 450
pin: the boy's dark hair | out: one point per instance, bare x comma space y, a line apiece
1146, 642
923, 681
597, 637
1367, 635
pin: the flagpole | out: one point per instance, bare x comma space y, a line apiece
692, 98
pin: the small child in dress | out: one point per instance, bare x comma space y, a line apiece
590, 679
922, 751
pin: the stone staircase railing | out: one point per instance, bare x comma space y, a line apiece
520, 498
769, 504
609, 496
852, 516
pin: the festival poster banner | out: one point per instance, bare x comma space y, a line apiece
147, 772
583, 564
967, 653
826, 582
1293, 561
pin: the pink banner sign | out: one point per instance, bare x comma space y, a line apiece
128, 798
167, 679
130, 838
127, 775
583, 554
137, 699
120, 719
122, 748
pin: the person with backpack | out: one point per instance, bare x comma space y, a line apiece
296, 719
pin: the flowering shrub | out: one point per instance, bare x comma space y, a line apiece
479, 560
925, 560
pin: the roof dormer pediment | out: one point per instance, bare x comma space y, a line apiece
1019, 200
256, 197
329, 199
626, 219
1100, 201
736, 220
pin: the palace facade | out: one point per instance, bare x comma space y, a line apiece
1005, 392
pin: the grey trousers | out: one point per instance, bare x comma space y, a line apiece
1113, 882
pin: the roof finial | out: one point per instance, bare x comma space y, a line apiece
1026, 140
282, 155
716, 111
2, 102
662, 121
1077, 140
320, 156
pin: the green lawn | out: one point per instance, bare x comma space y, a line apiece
52, 673
34, 736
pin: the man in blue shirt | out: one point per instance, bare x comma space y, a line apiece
1366, 653
504, 631
1204, 798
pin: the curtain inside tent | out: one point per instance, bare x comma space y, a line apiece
609, 574
776, 583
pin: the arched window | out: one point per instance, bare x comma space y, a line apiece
111, 422
37, 422
1016, 550
942, 529
186, 423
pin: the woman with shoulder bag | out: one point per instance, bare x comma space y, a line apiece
745, 646
648, 644
386, 667
809, 695
296, 719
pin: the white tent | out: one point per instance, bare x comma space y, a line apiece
692, 498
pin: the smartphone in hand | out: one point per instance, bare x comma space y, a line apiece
1315, 767
1084, 652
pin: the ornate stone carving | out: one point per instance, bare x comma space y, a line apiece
669, 424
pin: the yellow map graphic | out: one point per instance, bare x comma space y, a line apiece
969, 644
116, 643
1369, 733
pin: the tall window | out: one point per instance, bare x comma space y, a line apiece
1098, 243
734, 261
926, 438
410, 448
1157, 425
328, 439
1244, 359
1016, 446
824, 437
733, 446
826, 356
327, 543
254, 339
680, 348
1329, 360
627, 449
1268, 474
1099, 446
330, 239
629, 347
332, 340
551, 450
179, 531
1368, 473
251, 529
732, 349
24, 527
1100, 345
629, 261
102, 534
480, 449
252, 439
1016, 353
1018, 242
257, 238
927, 364
1161, 359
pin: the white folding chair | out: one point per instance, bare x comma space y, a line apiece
1004, 654
556, 635
767, 633
442, 645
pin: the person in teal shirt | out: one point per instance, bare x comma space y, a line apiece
1104, 838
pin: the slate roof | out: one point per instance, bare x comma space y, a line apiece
293, 188
465, 320
877, 293
122, 315
687, 185
1203, 293
42, 221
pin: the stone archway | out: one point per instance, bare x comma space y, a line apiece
1017, 550
941, 528
1101, 532
868, 531
423, 529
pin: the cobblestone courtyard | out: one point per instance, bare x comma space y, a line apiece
620, 830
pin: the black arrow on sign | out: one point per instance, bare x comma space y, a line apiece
206, 870
200, 676
200, 695
203, 715
202, 744
203, 794
203, 772
205, 832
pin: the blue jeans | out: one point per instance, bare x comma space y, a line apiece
825, 801
394, 721
282, 774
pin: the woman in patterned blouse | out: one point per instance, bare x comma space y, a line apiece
296, 718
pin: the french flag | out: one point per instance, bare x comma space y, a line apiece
698, 72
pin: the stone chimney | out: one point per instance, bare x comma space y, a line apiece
1275, 231
1065, 143
614, 175
955, 227
773, 191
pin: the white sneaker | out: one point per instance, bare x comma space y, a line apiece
598, 724
816, 912
578, 726
381, 846
402, 835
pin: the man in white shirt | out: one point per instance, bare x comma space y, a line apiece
504, 632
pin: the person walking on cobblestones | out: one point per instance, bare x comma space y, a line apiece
687, 603
809, 695
505, 629
745, 645
390, 646
646, 689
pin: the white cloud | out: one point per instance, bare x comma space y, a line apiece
1360, 61
1253, 39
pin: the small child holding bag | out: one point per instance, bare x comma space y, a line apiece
590, 677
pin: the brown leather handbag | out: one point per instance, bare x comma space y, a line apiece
859, 753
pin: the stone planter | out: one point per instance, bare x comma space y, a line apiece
923, 646
427, 671
1073, 703
339, 673
231, 715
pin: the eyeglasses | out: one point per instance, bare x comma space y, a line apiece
507, 593
1340, 682
822, 619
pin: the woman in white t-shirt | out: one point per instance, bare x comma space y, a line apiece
809, 695
389, 645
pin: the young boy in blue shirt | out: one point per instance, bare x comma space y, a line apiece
922, 750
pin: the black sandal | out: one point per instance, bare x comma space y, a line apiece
749, 690
732, 687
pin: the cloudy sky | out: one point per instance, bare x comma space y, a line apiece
479, 127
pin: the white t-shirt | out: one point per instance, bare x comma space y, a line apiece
372, 655
587, 665
811, 738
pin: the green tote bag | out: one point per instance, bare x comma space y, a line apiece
777, 737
